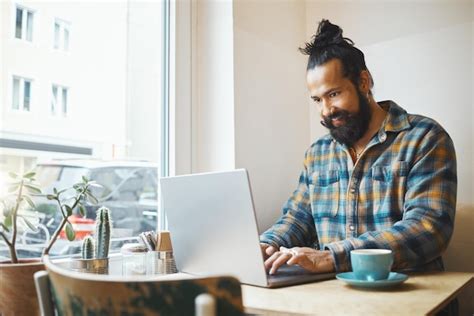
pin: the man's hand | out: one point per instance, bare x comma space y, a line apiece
310, 259
267, 250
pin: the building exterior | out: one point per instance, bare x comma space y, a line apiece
75, 80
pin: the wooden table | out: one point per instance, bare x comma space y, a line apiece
421, 294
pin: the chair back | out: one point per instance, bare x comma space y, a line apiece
76, 293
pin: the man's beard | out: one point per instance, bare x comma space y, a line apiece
354, 126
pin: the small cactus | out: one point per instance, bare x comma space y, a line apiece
88, 248
103, 232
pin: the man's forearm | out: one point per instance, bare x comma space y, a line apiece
294, 228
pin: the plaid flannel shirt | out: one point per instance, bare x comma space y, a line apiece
399, 195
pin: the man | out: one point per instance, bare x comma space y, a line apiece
381, 178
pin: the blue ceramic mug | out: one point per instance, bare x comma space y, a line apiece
371, 264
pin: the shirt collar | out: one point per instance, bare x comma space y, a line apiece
397, 117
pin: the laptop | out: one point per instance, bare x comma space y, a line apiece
213, 228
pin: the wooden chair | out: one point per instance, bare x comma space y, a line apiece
75, 293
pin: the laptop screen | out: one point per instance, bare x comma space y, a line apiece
213, 226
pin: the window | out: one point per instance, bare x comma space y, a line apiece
61, 35
59, 100
115, 75
24, 24
21, 94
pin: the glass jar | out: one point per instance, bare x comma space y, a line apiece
134, 257
161, 262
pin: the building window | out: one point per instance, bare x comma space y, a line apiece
24, 24
61, 35
21, 96
59, 100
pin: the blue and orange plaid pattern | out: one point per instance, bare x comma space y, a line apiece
399, 195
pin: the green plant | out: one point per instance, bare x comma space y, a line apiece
87, 250
19, 195
103, 231
100, 248
68, 205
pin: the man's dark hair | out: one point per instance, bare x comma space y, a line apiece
328, 44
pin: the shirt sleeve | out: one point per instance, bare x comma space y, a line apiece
296, 226
429, 208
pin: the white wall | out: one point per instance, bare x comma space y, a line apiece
251, 109
271, 113
214, 87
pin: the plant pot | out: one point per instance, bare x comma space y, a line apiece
97, 266
17, 287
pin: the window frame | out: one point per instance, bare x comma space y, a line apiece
63, 26
181, 94
24, 23
21, 94
59, 106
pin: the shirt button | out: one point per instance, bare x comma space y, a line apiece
353, 190
352, 228
383, 137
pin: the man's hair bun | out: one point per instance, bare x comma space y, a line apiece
327, 44
328, 34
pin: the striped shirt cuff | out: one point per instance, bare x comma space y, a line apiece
341, 253
271, 240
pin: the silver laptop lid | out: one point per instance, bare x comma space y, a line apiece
213, 226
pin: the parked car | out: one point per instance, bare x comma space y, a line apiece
129, 189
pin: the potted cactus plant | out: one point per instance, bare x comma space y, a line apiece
16, 275
88, 248
95, 252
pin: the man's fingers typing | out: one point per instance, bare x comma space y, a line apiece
279, 261
278, 258
271, 259
295, 259
270, 250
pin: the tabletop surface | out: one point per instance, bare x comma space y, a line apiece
421, 294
